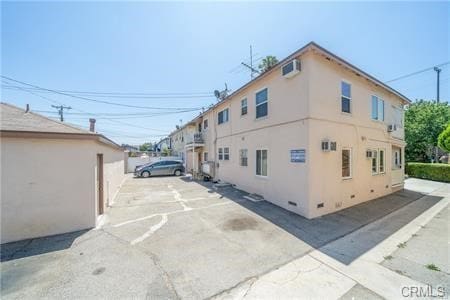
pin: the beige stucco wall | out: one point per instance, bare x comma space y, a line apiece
356, 131
303, 110
48, 186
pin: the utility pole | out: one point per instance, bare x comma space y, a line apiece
438, 71
60, 109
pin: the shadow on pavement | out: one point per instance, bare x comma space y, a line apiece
36, 246
321, 232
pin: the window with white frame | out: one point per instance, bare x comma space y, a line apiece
220, 155
261, 103
223, 116
346, 97
261, 162
243, 158
244, 107
381, 161
226, 153
397, 163
346, 163
205, 124
374, 162
205, 156
398, 116
377, 108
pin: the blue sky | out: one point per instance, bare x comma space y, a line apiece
160, 48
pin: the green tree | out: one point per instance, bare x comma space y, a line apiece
267, 63
444, 139
424, 121
146, 147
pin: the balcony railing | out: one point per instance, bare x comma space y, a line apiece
196, 138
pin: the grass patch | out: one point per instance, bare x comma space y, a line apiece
402, 245
389, 257
432, 267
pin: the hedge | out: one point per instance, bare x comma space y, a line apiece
438, 172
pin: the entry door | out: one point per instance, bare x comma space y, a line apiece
100, 183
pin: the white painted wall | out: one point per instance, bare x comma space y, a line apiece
48, 186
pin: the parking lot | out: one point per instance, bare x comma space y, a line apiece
171, 237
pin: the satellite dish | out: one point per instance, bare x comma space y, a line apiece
217, 94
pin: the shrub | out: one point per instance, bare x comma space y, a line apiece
438, 172
444, 139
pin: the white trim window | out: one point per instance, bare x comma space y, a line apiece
346, 97
244, 107
220, 154
222, 116
346, 163
374, 162
261, 162
205, 124
377, 108
243, 157
226, 153
382, 161
262, 105
205, 156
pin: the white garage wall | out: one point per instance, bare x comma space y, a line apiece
48, 186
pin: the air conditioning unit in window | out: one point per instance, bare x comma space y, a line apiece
291, 68
391, 127
369, 154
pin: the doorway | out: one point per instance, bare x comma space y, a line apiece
100, 183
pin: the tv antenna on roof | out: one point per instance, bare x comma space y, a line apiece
253, 71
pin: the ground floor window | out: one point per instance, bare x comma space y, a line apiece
243, 158
374, 162
261, 162
220, 154
226, 153
346, 163
382, 160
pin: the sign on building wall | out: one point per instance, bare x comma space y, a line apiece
298, 156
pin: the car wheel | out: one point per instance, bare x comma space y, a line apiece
145, 174
177, 173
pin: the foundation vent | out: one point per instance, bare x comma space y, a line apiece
292, 203
320, 205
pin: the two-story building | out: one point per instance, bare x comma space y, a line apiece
314, 135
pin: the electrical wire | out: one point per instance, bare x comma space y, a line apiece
417, 72
95, 100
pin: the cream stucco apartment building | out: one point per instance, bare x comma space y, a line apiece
314, 135
55, 178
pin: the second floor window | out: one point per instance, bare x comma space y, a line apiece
261, 103
205, 124
223, 116
243, 106
205, 156
346, 97
220, 154
377, 109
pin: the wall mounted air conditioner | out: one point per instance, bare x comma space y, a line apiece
326, 145
391, 127
291, 68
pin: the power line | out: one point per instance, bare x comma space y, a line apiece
96, 101
106, 95
417, 72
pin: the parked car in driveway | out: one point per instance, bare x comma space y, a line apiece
164, 167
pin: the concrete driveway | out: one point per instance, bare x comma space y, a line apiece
170, 237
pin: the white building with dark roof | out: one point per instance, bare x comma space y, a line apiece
55, 178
